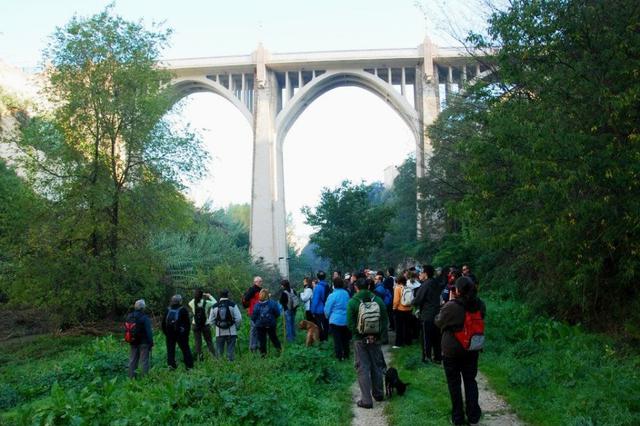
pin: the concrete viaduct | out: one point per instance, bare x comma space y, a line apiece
272, 89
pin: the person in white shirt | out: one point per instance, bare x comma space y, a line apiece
226, 317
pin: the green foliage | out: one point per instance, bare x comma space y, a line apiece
350, 224
553, 373
89, 384
539, 172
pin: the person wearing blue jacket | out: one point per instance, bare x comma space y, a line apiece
320, 294
336, 311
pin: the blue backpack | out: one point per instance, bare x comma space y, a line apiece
265, 315
384, 294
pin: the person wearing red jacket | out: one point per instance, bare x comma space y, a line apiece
250, 300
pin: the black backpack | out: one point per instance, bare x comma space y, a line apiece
173, 320
200, 314
224, 317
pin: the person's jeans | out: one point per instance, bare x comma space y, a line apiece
253, 336
230, 341
459, 369
370, 364
183, 344
198, 335
290, 324
262, 338
139, 353
341, 337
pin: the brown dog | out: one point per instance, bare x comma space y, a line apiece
313, 332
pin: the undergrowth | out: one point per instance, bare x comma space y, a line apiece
88, 385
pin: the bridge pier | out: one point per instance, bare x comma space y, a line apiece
268, 234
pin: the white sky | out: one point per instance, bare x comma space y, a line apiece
347, 133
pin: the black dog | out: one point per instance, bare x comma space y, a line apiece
392, 380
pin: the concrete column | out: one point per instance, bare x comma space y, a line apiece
464, 75
267, 233
449, 85
300, 81
242, 90
287, 87
426, 104
389, 76
403, 83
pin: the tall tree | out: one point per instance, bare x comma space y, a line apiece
107, 148
350, 225
547, 173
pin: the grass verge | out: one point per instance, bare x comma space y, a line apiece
556, 374
426, 401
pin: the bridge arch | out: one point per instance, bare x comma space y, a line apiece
351, 78
188, 85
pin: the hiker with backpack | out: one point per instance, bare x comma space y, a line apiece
139, 335
250, 299
305, 297
427, 301
176, 326
367, 317
290, 302
462, 323
402, 299
320, 295
265, 316
226, 317
200, 307
336, 312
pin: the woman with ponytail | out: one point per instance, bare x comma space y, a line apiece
460, 364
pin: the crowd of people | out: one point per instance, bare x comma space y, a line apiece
357, 309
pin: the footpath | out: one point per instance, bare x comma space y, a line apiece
495, 410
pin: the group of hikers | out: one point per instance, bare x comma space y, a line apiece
440, 308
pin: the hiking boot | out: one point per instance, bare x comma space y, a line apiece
379, 399
363, 405
395, 347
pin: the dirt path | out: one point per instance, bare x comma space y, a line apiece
495, 410
374, 416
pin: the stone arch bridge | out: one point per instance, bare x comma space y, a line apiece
272, 89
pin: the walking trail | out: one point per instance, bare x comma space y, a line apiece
496, 411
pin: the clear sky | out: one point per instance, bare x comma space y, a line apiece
347, 133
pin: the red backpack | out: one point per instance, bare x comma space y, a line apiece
471, 337
133, 328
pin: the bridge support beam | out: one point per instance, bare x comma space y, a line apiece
268, 227
427, 107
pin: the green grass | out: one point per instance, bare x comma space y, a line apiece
426, 401
88, 385
555, 374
